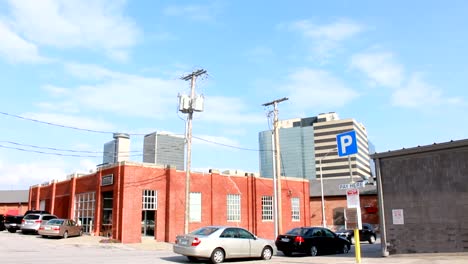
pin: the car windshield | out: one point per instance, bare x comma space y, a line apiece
31, 217
204, 231
55, 222
296, 231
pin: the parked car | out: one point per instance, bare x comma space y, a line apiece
36, 212
60, 228
13, 223
312, 241
32, 222
218, 243
367, 233
2, 222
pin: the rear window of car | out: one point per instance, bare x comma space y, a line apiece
48, 217
296, 231
55, 222
204, 231
31, 217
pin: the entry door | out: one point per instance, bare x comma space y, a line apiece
148, 222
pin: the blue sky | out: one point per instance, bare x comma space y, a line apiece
399, 67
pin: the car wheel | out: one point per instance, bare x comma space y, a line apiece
267, 252
352, 240
313, 251
44, 236
371, 239
217, 256
65, 235
345, 249
287, 253
11, 230
190, 258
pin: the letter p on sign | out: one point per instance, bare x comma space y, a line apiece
346, 143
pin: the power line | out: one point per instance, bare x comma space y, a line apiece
65, 126
111, 132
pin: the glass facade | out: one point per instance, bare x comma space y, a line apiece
297, 154
84, 210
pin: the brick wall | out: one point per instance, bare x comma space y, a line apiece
131, 180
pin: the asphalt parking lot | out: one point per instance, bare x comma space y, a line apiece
25, 249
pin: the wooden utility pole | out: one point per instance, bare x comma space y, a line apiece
277, 176
192, 77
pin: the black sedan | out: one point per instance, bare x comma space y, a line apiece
312, 241
367, 233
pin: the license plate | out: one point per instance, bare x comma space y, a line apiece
30, 222
183, 242
285, 239
47, 228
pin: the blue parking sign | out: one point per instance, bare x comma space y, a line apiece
347, 143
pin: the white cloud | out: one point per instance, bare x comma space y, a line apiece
118, 93
327, 37
380, 67
194, 12
99, 25
234, 111
134, 95
317, 89
23, 175
417, 93
16, 49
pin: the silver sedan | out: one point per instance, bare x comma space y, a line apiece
223, 242
60, 228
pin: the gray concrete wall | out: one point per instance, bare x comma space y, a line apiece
432, 189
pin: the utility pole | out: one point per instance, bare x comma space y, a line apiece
277, 176
189, 105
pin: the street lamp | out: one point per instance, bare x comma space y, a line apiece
324, 220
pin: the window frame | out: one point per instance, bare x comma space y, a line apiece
233, 210
195, 208
295, 209
267, 208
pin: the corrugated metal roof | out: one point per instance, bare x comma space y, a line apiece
14, 196
421, 149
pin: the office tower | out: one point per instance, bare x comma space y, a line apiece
305, 143
333, 166
164, 149
117, 150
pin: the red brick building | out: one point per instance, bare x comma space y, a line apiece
129, 200
13, 202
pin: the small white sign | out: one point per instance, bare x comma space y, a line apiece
398, 217
345, 186
352, 197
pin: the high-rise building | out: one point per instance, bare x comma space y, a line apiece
117, 150
164, 149
307, 143
326, 154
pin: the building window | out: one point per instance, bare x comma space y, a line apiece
84, 210
150, 200
267, 208
195, 207
295, 209
233, 207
